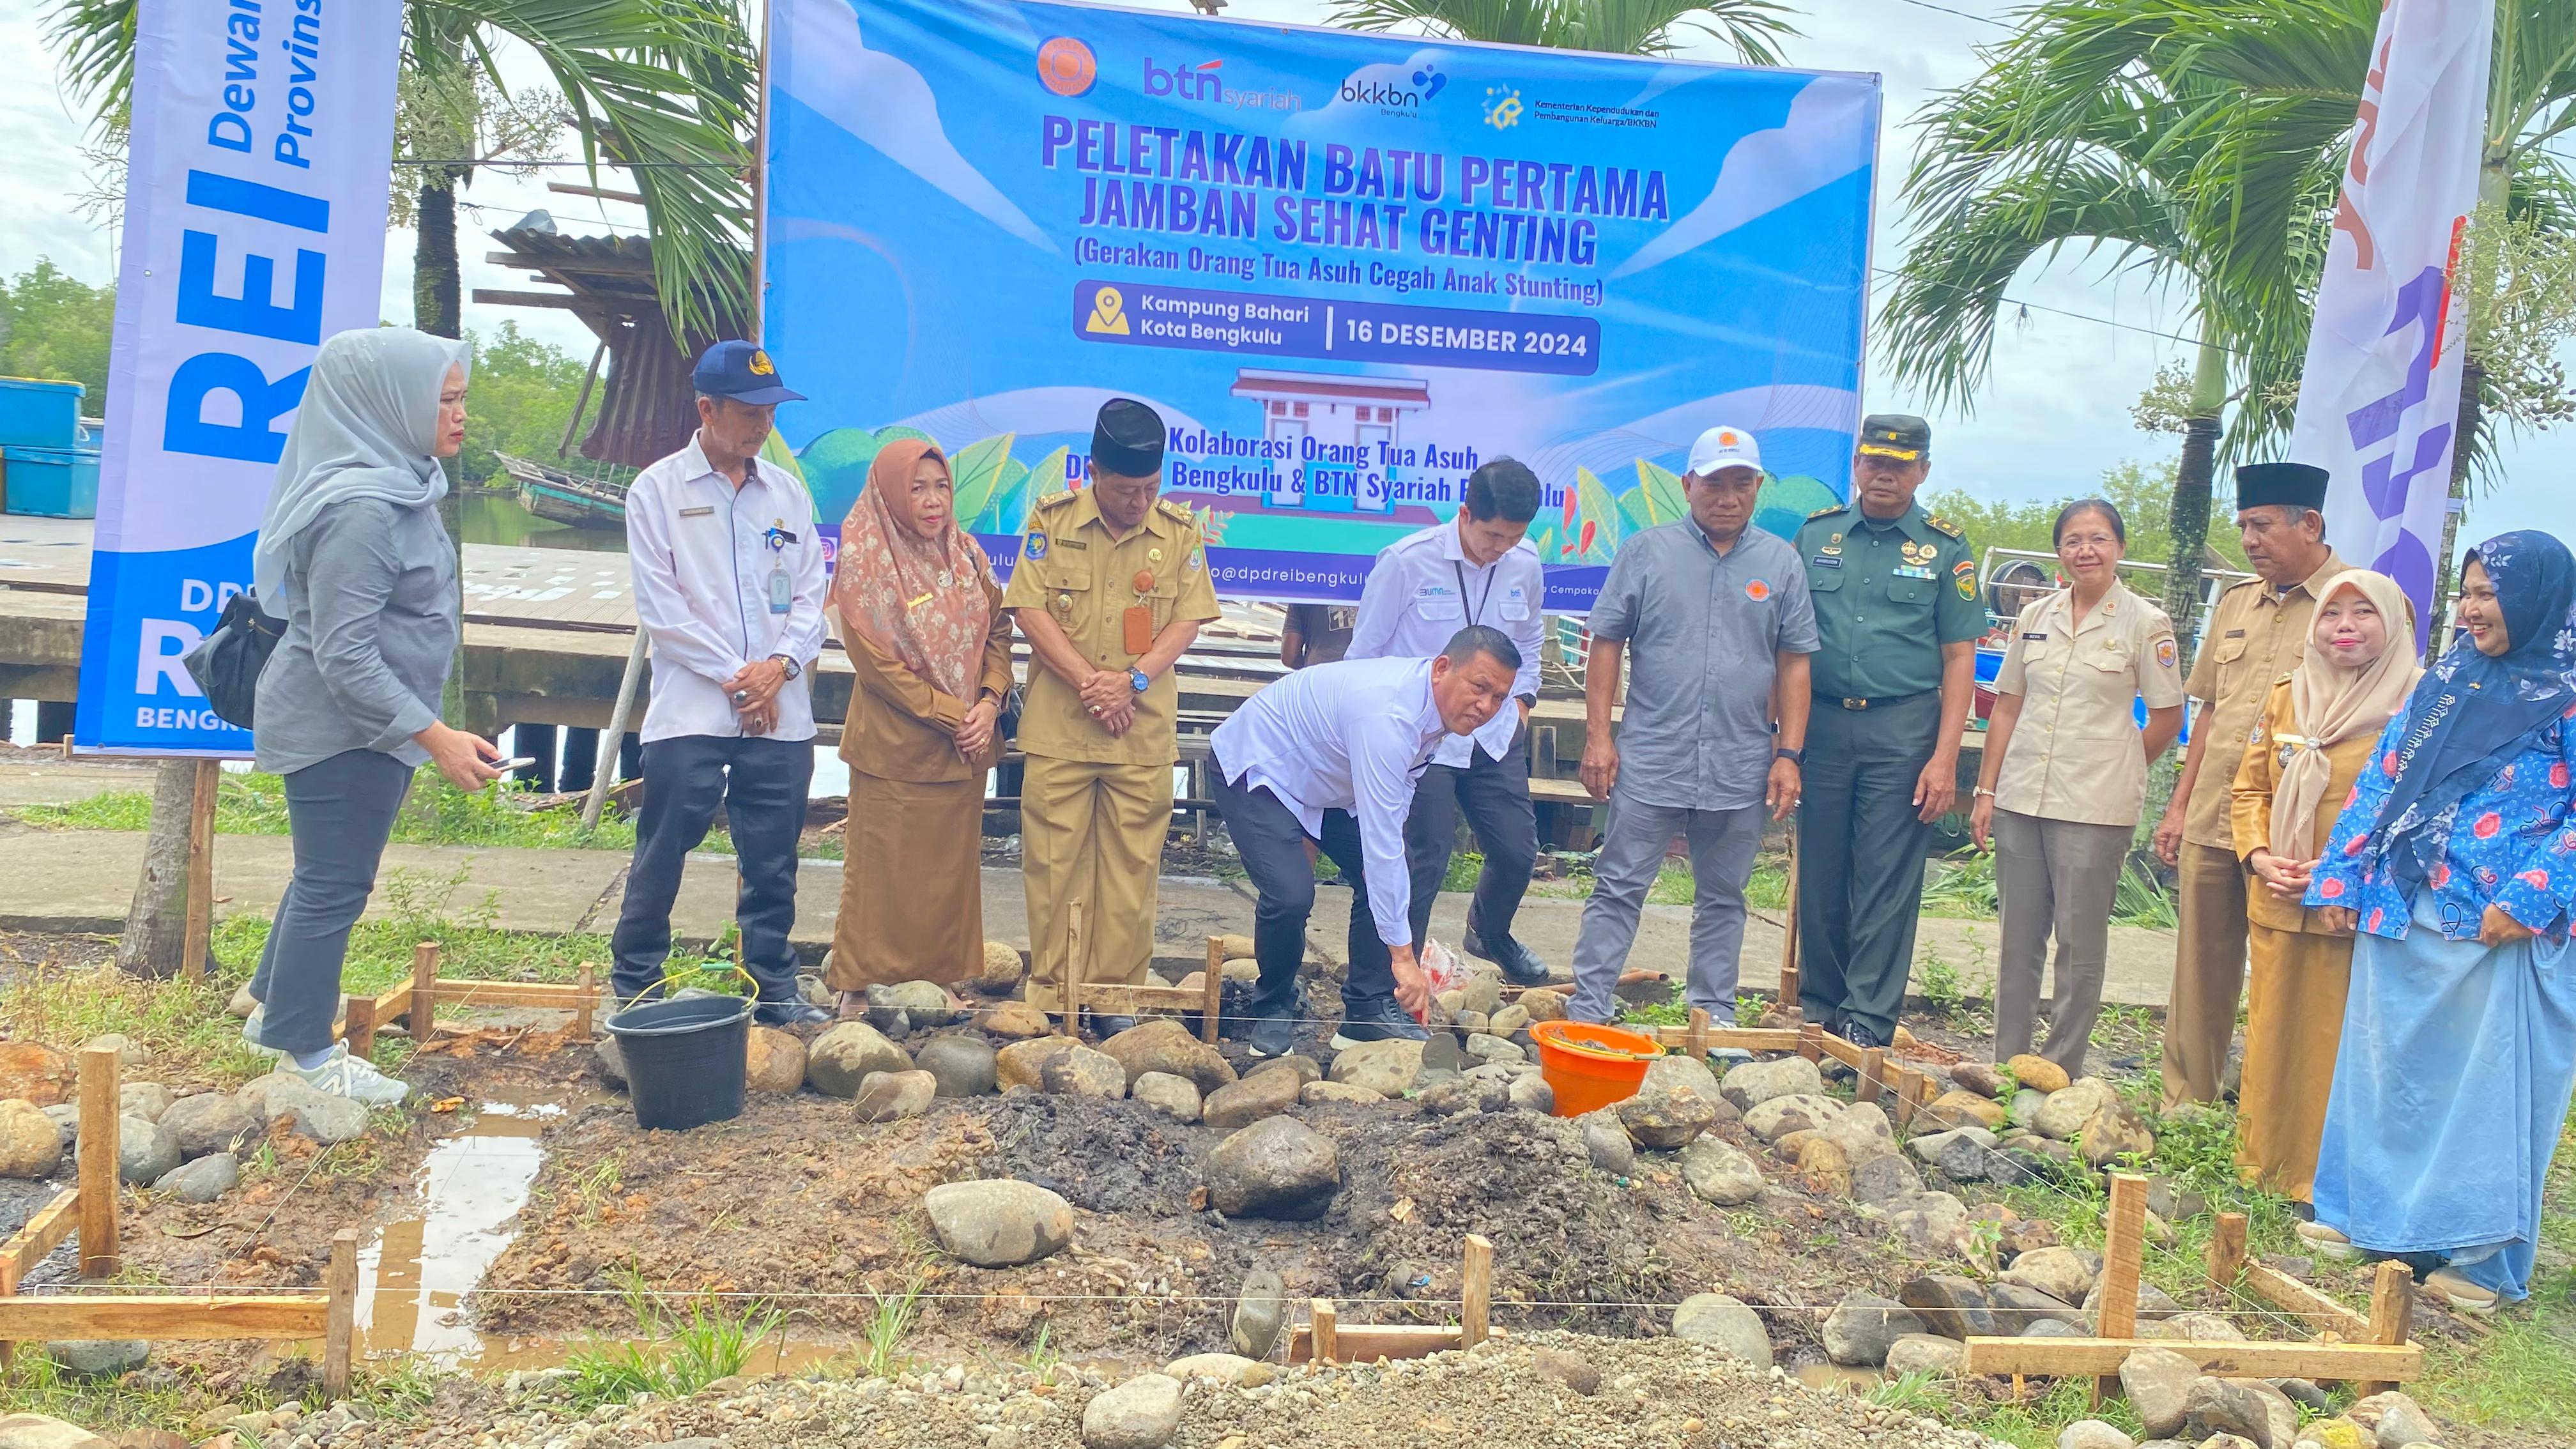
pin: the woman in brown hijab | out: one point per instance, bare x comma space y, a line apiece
922, 619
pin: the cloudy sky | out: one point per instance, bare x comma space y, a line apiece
2055, 415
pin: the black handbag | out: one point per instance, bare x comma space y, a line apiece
226, 664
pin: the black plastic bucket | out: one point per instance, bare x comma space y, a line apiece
685, 1059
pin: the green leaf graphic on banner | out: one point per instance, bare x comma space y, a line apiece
976, 472
1657, 498
1595, 533
1008, 509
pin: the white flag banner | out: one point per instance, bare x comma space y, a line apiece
2380, 399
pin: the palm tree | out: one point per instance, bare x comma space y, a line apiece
1625, 27
663, 87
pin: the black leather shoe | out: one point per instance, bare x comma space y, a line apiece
790, 1013
1861, 1034
1521, 965
1109, 1026
1377, 1019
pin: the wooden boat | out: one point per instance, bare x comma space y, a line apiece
560, 496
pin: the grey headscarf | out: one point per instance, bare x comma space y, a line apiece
367, 428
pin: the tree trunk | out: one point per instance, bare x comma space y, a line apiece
155, 943
2194, 486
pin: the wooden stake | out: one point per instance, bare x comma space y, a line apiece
2392, 1313
2125, 1243
1789, 938
2225, 1259
424, 992
360, 1032
1698, 1039
1073, 969
1214, 986
1912, 1088
201, 869
1873, 1069
2101, 1357
1325, 1346
582, 1010
1476, 1291
1811, 1041
98, 1154
340, 1330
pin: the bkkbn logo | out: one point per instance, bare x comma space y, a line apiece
1502, 107
1189, 83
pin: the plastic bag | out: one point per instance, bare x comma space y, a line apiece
1444, 968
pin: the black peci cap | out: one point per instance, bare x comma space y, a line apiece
1127, 439
1901, 436
2295, 485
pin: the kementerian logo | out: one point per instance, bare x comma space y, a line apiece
1067, 67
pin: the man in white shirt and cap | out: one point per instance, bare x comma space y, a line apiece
1478, 569
1331, 755
729, 583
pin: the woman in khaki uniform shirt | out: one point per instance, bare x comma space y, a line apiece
2316, 734
2065, 775
923, 622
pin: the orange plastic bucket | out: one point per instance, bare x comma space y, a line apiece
1589, 1067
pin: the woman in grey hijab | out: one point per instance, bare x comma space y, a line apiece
351, 552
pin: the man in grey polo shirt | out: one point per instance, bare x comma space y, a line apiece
1718, 617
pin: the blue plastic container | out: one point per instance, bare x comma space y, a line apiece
49, 482
38, 414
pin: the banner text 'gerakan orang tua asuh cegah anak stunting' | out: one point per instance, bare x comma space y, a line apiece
1345, 268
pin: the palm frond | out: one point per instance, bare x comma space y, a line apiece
1751, 28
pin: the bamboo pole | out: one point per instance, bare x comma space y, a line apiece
201, 869
99, 1255
1476, 1291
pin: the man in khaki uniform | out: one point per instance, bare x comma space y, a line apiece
1111, 587
2258, 633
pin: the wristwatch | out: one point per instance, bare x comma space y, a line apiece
791, 666
1795, 757
1137, 678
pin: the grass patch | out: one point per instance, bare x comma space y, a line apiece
679, 1348
436, 813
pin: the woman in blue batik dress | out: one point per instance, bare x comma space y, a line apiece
2456, 861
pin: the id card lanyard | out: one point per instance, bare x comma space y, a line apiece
1476, 615
781, 591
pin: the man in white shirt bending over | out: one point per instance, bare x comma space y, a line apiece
1476, 569
1331, 754
729, 583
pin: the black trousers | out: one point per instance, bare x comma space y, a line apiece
1272, 845
341, 811
1494, 795
760, 785
1860, 858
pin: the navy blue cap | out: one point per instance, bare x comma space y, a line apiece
742, 372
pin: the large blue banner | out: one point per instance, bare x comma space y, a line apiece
1347, 269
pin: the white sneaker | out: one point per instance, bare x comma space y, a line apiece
355, 1078
2327, 1243
250, 1033
2453, 1287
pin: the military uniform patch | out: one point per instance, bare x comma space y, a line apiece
1941, 525
2165, 653
1037, 548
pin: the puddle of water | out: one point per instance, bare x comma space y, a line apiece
1835, 1376
413, 1280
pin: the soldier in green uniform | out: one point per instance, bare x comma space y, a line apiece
1896, 605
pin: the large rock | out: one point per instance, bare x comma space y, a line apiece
2158, 1384
1925, 1353
893, 1096
36, 1073
2153, 1302
2277, 1408
1174, 1097
1949, 1305
1082, 1072
1675, 1070
1317, 1094
1607, 1144
2395, 1420
1466, 1096
1531, 1093
325, 1118
210, 1122
1543, 1004
1164, 1045
2093, 1434
1723, 1322
2070, 1107
1752, 1083
2060, 1273
147, 1100
999, 1222
201, 1181
2112, 1133
1960, 1107
1932, 1224
962, 1065
1882, 1180
144, 1153
843, 1056
1260, 1311
2038, 1073
1666, 1118
2223, 1406
1240, 1104
607, 1060
773, 1062
1141, 1413
1978, 1077
1003, 969
1864, 1326
1823, 1166
1931, 1145
1720, 1174
1222, 1368
1016, 1020
30, 1145
1516, 1017
36, 1431
1776, 1117
2025, 1107
104, 1358
1862, 1131
1384, 1067
2019, 1309
1023, 1063
1298, 1064
1276, 1168
892, 1006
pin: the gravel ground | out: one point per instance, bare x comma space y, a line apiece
1652, 1394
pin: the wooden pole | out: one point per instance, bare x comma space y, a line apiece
2225, 1258
1811, 1041
581, 1012
201, 869
1325, 1346
1476, 1291
1698, 1041
2392, 1312
1213, 1003
1873, 1070
360, 1032
604, 773
424, 992
99, 1255
2124, 1245
760, 193
1789, 937
340, 1330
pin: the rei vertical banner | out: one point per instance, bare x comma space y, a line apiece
2380, 399
254, 228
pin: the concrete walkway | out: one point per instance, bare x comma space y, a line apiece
82, 881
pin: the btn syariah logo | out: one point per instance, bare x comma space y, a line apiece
1502, 107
